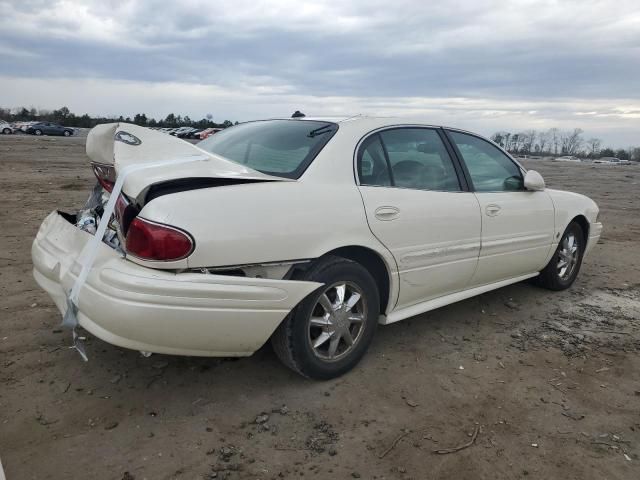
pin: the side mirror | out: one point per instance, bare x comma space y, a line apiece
533, 181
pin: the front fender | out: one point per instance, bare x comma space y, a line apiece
568, 205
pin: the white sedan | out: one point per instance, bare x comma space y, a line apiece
307, 232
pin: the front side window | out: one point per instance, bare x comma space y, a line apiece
412, 158
490, 169
283, 148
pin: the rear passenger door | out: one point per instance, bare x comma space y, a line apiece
517, 225
418, 206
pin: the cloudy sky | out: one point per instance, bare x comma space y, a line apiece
478, 64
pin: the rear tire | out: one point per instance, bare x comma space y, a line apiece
67, 133
6, 131
328, 333
563, 268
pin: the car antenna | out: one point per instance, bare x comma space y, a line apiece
298, 114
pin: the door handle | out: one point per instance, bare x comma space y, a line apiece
387, 213
492, 210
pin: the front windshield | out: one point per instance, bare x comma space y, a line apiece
283, 148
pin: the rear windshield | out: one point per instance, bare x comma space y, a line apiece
283, 148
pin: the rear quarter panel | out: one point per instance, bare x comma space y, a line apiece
267, 222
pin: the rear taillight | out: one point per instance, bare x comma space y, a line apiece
121, 206
105, 174
154, 241
124, 213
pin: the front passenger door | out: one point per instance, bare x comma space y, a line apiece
517, 225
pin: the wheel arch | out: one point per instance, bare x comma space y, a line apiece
375, 264
584, 225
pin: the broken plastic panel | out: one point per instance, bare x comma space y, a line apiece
101, 211
88, 219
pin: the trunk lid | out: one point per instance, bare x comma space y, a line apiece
124, 145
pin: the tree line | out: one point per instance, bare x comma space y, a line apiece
65, 117
555, 142
551, 142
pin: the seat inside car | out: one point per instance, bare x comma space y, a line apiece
420, 166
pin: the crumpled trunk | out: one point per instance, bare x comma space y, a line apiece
168, 158
151, 164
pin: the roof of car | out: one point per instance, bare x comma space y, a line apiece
364, 118
372, 122
365, 123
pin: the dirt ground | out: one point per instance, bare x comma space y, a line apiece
550, 382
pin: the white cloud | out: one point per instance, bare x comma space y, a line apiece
248, 102
481, 64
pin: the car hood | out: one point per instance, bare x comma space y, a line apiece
149, 157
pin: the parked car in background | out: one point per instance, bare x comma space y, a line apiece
6, 128
207, 132
567, 158
177, 131
308, 232
48, 128
22, 126
185, 132
611, 161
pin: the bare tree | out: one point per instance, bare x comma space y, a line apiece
516, 142
499, 138
594, 145
554, 138
507, 141
622, 154
571, 141
554, 141
543, 140
528, 139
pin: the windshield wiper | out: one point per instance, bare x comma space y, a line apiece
319, 130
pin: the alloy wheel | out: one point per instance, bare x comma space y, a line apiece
337, 321
568, 256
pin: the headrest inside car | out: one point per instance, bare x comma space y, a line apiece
428, 148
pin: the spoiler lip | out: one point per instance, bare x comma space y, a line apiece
124, 144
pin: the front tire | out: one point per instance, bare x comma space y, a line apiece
67, 133
6, 131
38, 132
329, 332
563, 268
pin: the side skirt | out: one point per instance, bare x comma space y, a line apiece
419, 308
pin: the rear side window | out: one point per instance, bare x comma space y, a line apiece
412, 158
283, 148
372, 163
490, 169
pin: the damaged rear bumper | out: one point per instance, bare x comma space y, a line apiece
159, 311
